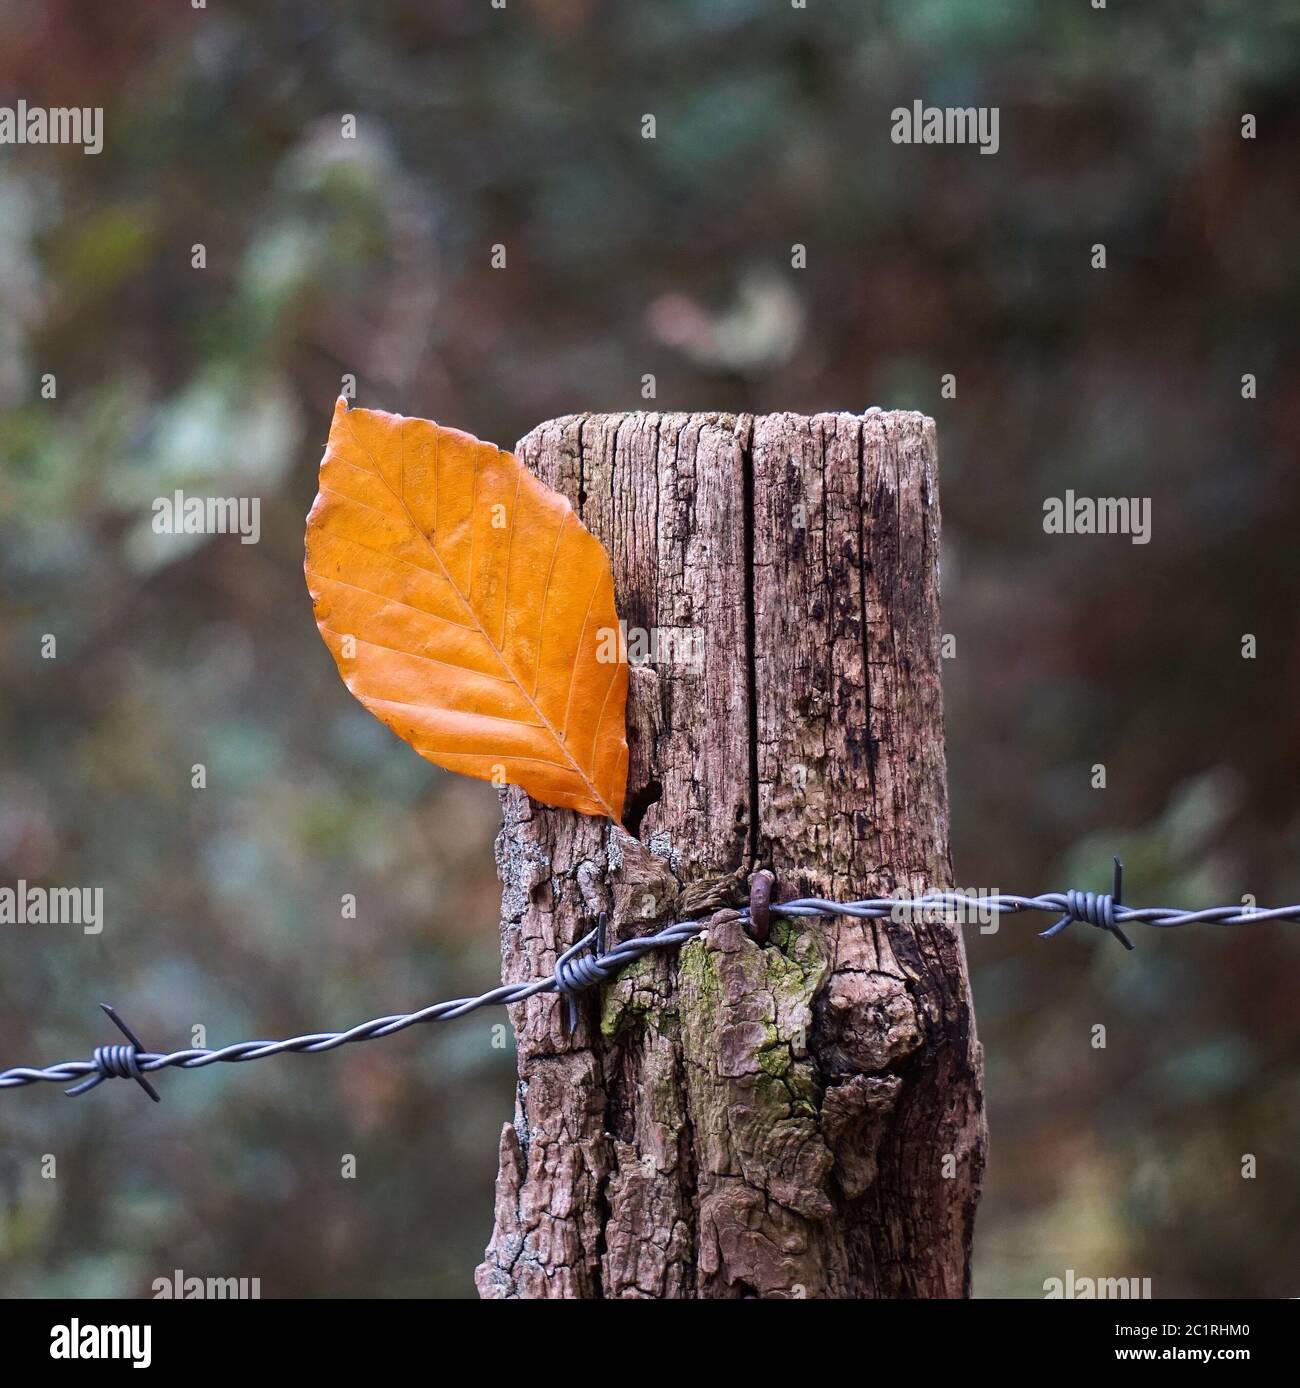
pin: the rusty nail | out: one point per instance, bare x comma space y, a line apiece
759, 924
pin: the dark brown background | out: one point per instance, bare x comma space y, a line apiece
627, 257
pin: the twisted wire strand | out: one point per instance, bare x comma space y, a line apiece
584, 964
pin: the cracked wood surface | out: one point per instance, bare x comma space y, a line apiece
804, 1120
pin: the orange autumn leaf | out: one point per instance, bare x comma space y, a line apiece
469, 609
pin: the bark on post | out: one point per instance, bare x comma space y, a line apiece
806, 1119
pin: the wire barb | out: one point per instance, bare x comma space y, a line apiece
591, 960
1090, 909
576, 971
117, 1062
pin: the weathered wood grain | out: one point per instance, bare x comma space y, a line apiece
805, 1119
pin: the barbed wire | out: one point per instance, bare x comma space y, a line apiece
588, 962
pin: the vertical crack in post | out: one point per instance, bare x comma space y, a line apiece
751, 639
864, 610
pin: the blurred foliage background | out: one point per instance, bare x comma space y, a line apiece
371, 256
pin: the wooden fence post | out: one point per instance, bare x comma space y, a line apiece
801, 1120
